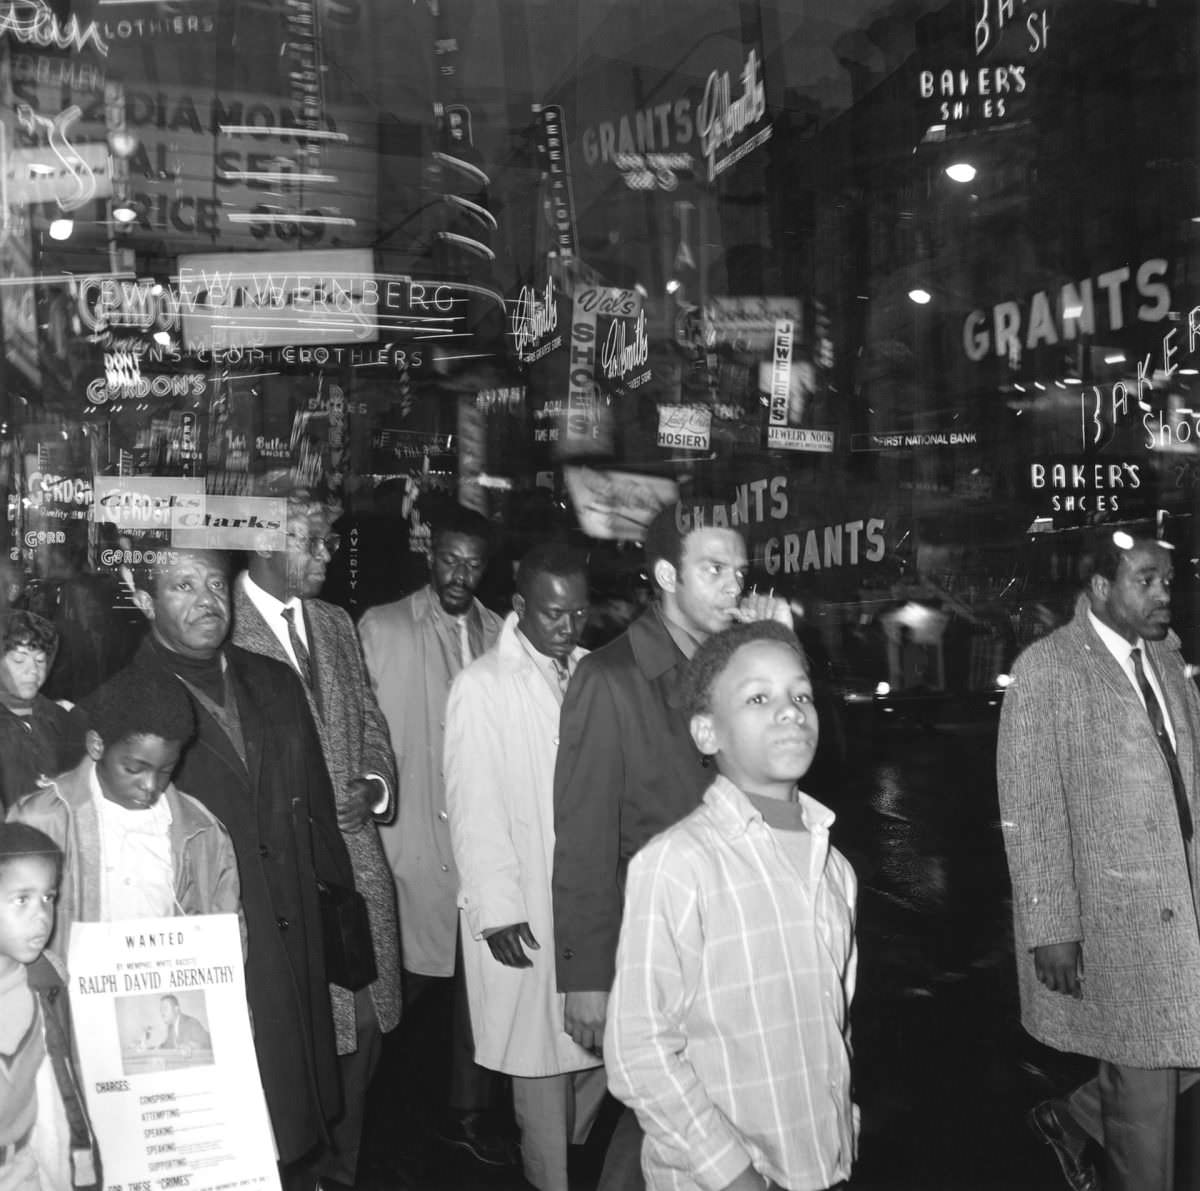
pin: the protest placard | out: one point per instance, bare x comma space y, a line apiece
166, 1055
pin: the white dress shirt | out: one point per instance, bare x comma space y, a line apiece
137, 871
1122, 651
271, 611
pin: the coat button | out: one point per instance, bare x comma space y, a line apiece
568, 953
282, 923
264, 851
443, 816
1168, 915
445, 868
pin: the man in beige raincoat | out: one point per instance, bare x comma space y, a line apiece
501, 744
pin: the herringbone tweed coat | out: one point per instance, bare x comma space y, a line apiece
354, 739
1095, 849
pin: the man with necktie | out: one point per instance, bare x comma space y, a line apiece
1098, 762
414, 650
276, 614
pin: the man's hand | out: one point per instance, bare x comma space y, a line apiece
749, 1180
756, 606
583, 1019
358, 804
1059, 966
506, 945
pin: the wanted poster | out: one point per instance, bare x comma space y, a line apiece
166, 1056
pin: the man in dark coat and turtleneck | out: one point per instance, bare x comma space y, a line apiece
256, 763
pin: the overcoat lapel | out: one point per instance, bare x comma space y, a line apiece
315, 663
250, 704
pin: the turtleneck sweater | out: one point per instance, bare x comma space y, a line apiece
206, 674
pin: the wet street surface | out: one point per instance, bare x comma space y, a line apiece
944, 1072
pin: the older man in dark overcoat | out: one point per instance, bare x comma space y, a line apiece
256, 763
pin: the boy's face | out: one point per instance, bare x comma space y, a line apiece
23, 671
762, 725
28, 888
135, 771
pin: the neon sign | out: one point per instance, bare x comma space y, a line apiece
33, 22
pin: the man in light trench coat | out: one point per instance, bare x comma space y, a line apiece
501, 744
1098, 764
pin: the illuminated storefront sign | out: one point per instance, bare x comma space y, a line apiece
784, 550
652, 145
1070, 487
277, 298
231, 168
588, 426
534, 322
140, 502
65, 173
208, 522
781, 372
653, 171
893, 440
34, 22
102, 391
724, 124
685, 427
625, 350
964, 89
798, 438
1012, 327
747, 323
552, 145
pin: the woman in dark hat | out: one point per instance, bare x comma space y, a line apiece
38, 737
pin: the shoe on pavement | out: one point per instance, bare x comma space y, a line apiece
1077, 1168
470, 1131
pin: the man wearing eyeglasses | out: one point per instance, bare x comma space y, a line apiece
415, 648
276, 613
1098, 761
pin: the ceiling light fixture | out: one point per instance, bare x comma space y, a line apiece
961, 171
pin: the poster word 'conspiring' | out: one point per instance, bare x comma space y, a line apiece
166, 1055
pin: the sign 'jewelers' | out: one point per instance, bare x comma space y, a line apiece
722, 122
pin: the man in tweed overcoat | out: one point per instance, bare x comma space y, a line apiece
1101, 853
358, 754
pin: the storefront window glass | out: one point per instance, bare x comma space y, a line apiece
907, 285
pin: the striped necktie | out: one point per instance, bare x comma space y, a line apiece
303, 661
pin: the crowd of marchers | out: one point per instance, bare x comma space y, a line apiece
603, 863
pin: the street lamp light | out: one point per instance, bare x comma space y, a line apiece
961, 171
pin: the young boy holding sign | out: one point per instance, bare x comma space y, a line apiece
135, 846
46, 1141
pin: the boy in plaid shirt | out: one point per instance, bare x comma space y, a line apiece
728, 1029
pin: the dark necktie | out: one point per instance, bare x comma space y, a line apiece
302, 659
1155, 712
